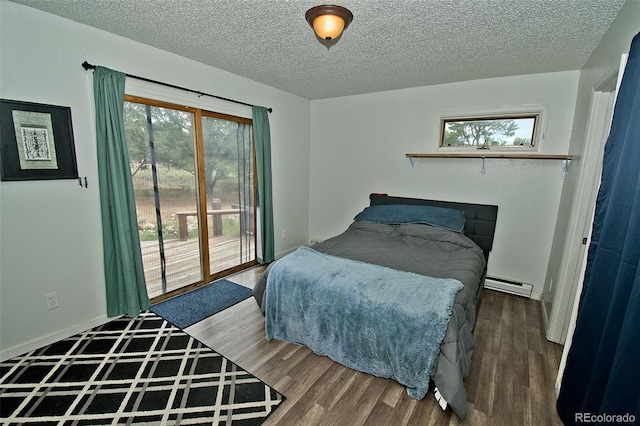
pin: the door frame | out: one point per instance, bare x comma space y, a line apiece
600, 111
572, 309
198, 113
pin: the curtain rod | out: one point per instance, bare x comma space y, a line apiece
87, 66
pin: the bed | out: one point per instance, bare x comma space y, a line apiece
405, 267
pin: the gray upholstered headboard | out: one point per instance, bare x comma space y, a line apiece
480, 219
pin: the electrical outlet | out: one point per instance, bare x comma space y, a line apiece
284, 234
51, 301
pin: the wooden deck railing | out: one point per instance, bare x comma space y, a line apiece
183, 232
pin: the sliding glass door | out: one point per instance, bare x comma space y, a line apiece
228, 170
192, 174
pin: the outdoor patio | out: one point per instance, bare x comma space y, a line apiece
183, 259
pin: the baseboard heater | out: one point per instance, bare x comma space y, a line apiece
508, 286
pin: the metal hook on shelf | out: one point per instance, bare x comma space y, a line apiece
83, 182
565, 168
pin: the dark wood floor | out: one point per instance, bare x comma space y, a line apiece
511, 381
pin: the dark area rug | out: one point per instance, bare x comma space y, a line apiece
131, 371
189, 308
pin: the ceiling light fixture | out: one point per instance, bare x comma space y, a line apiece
328, 21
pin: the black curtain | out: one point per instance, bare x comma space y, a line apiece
601, 382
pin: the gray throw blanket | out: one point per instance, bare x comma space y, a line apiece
374, 319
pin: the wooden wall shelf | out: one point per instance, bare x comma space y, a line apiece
492, 155
566, 159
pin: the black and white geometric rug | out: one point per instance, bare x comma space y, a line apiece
131, 371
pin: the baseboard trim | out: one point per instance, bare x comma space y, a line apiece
31, 345
545, 315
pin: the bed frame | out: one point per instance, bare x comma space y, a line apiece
480, 219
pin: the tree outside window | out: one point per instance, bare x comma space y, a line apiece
488, 132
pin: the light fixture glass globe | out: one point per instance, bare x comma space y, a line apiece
328, 27
328, 21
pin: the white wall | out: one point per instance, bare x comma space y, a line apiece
50, 231
358, 146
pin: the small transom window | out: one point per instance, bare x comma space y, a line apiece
490, 132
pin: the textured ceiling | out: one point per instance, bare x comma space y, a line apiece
391, 44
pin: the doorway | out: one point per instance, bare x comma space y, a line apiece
192, 172
599, 121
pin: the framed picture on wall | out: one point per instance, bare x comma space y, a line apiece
36, 142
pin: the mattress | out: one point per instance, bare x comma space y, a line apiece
434, 252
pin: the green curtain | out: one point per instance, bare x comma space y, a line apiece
262, 135
123, 269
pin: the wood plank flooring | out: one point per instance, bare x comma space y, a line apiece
511, 380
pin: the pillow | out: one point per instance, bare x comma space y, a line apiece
451, 219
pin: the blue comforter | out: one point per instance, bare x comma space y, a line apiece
374, 319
